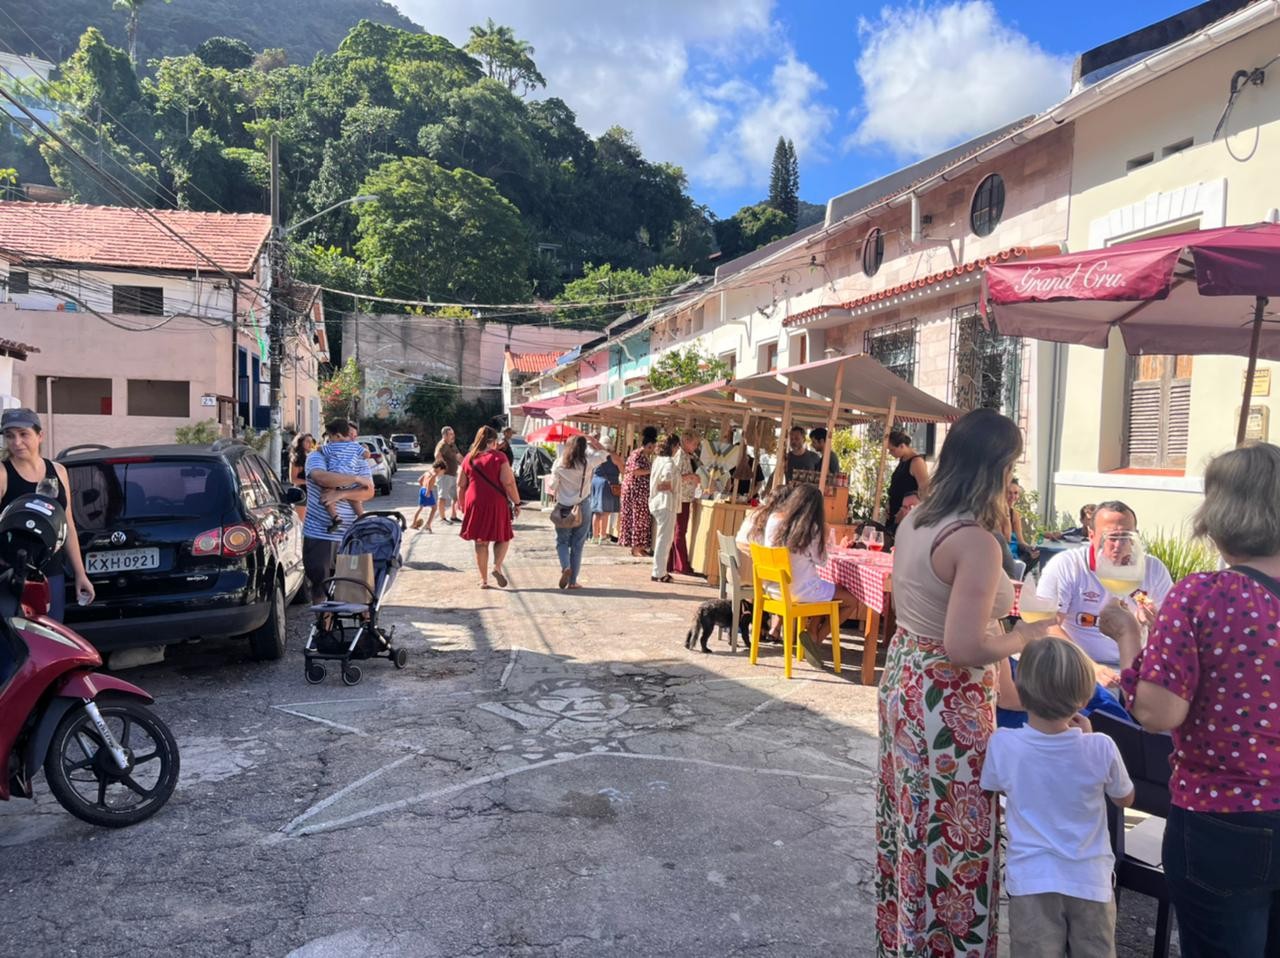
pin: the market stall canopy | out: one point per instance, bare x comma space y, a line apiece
864, 386
540, 408
1202, 292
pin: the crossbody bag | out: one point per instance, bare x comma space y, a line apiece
570, 517
1264, 580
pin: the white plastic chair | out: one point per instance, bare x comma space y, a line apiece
731, 585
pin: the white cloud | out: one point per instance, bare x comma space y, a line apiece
685, 76
934, 76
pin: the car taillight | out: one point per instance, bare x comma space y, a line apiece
228, 541
237, 540
208, 543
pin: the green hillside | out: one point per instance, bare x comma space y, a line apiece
302, 27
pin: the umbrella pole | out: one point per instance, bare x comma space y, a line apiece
831, 427
884, 451
1251, 369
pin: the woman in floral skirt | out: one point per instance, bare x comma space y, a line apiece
635, 523
937, 876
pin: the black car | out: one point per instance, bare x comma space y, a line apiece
183, 541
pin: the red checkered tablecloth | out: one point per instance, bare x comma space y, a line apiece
868, 576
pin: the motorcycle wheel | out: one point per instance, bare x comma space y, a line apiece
85, 779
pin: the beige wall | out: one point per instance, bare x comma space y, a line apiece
1232, 180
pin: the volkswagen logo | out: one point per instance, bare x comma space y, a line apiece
118, 538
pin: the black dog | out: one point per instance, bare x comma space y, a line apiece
718, 614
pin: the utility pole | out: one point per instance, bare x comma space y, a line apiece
276, 322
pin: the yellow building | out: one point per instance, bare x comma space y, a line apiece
1158, 151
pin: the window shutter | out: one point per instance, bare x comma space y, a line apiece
1179, 423
1144, 423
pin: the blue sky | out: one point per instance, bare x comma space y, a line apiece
860, 87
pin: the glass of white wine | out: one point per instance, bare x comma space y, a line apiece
1121, 563
1033, 607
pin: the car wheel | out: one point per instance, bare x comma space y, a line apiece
267, 641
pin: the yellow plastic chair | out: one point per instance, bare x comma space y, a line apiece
772, 564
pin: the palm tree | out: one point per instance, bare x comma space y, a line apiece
132, 8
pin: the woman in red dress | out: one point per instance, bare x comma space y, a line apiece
487, 487
635, 524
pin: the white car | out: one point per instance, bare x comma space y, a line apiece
381, 471
406, 446
387, 451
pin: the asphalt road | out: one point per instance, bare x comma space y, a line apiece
553, 774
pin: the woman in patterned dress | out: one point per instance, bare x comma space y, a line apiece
937, 874
635, 523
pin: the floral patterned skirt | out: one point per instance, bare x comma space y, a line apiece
937, 871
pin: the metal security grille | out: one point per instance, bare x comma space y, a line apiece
894, 347
986, 368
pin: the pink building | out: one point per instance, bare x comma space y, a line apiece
148, 320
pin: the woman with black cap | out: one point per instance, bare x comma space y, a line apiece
25, 470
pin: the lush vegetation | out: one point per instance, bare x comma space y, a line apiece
1182, 556
302, 28
688, 367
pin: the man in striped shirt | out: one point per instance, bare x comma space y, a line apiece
338, 463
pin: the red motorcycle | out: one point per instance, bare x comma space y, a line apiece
108, 759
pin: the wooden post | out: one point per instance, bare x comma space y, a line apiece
1250, 370
742, 470
831, 427
780, 469
888, 428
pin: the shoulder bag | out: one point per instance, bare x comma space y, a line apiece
511, 506
570, 517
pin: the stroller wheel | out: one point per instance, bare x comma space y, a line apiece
315, 673
351, 674
400, 657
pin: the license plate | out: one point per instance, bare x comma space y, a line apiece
122, 560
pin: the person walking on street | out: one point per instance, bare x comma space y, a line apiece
687, 467
664, 504
635, 521
571, 485
447, 485
504, 446
491, 501
301, 447
342, 466
26, 472
606, 492
427, 483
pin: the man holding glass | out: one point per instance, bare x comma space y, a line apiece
1083, 582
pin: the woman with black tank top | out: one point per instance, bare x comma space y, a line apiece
24, 469
910, 478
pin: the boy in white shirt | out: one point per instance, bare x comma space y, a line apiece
1057, 774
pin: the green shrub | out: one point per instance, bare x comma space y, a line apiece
1180, 556
199, 434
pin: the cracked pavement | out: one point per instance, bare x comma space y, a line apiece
552, 775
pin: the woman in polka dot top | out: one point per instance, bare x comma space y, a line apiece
1210, 674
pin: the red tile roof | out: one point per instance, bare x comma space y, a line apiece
122, 238
1014, 252
15, 349
532, 362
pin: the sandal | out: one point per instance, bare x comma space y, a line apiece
665, 578
564, 578
499, 578
485, 585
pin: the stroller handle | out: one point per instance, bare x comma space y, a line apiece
390, 514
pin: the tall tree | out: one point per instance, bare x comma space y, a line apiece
784, 181
505, 58
441, 234
132, 8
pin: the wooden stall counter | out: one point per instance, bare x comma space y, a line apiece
706, 519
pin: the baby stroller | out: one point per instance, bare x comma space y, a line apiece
344, 631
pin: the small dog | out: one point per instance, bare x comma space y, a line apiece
718, 613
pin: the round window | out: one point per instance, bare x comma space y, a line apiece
872, 252
988, 205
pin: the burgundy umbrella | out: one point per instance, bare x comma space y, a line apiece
556, 432
1197, 293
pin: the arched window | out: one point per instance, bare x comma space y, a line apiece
988, 205
873, 252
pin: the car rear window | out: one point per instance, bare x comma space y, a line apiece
105, 493
403, 437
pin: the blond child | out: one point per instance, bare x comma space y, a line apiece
1057, 774
427, 494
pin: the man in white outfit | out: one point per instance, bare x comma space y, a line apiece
664, 503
